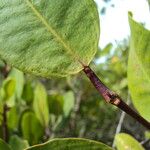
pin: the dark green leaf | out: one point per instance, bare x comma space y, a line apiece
4, 146
28, 93
56, 104
17, 143
31, 128
71, 144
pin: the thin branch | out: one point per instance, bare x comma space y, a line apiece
112, 98
5, 72
4, 124
122, 117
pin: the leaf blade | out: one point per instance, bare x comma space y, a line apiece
127, 142
36, 51
71, 144
139, 69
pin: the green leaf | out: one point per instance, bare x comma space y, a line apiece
1, 111
69, 102
4, 146
8, 88
49, 37
56, 104
71, 144
28, 93
17, 143
40, 104
18, 76
139, 68
126, 142
31, 128
13, 118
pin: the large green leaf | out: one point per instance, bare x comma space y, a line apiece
4, 146
71, 144
17, 143
126, 142
139, 68
40, 104
48, 37
31, 128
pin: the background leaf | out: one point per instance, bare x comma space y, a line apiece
139, 68
8, 88
56, 104
69, 102
18, 76
47, 36
31, 128
126, 142
40, 104
4, 146
17, 143
71, 144
13, 118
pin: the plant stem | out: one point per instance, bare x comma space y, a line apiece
112, 98
5, 72
4, 123
122, 117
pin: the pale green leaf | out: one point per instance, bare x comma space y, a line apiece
48, 37
69, 102
17, 143
4, 146
71, 144
139, 68
40, 104
8, 88
18, 76
126, 142
31, 128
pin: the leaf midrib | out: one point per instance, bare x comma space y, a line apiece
57, 36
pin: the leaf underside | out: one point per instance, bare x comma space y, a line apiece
48, 37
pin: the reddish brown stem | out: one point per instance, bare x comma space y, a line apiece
5, 72
4, 123
111, 97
